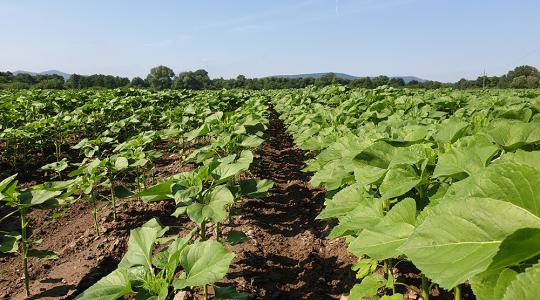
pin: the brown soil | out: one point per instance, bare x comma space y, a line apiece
288, 256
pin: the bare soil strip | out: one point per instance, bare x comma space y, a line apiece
288, 256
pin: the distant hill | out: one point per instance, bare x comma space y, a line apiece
407, 79
49, 72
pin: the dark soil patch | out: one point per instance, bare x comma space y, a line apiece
288, 256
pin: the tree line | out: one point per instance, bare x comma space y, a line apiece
163, 77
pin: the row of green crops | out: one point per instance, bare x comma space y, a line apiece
47, 122
221, 127
448, 180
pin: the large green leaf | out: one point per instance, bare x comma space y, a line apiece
255, 187
333, 175
492, 284
512, 134
9, 243
140, 245
226, 170
214, 209
343, 202
37, 197
368, 213
519, 246
451, 130
525, 285
204, 263
113, 286
383, 240
468, 155
463, 233
368, 288
398, 181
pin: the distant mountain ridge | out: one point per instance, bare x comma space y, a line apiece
48, 72
407, 79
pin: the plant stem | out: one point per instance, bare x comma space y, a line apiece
203, 231
457, 292
94, 212
425, 287
203, 237
218, 231
390, 274
24, 244
113, 201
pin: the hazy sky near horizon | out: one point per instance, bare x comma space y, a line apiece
433, 39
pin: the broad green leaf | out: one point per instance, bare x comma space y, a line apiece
525, 285
121, 163
37, 197
140, 245
9, 243
463, 233
368, 288
468, 155
382, 241
450, 131
4, 184
42, 254
157, 192
255, 187
368, 213
523, 157
216, 207
378, 155
364, 267
204, 263
512, 134
402, 212
519, 246
332, 175
224, 171
235, 237
229, 292
366, 174
343, 202
113, 286
251, 141
398, 181
492, 284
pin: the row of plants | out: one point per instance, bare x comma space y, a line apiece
446, 180
47, 123
206, 195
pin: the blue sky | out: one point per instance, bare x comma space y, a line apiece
441, 40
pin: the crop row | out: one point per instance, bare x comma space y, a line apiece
446, 180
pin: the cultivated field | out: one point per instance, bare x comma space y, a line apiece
314, 193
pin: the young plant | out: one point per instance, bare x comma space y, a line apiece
149, 276
87, 180
22, 201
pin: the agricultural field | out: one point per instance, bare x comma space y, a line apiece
313, 193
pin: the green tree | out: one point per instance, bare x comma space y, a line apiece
519, 82
138, 82
160, 77
197, 80
380, 80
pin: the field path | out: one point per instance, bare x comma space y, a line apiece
288, 256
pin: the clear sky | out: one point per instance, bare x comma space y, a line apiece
440, 40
